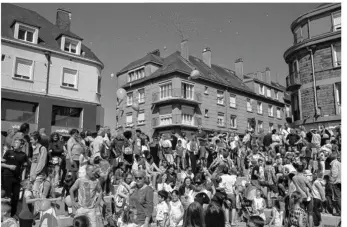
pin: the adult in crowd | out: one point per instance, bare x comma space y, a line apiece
74, 149
89, 195
44, 138
56, 154
142, 200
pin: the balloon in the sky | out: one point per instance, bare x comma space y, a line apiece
135, 106
195, 74
121, 93
112, 75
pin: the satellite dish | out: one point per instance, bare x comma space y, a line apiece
194, 74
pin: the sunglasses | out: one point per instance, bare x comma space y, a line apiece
138, 178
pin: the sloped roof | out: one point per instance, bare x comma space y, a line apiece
48, 32
146, 59
216, 74
277, 85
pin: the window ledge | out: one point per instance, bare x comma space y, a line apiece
142, 102
21, 79
234, 128
206, 116
271, 116
234, 107
337, 67
206, 93
260, 113
221, 126
279, 118
249, 111
141, 123
129, 105
69, 88
219, 104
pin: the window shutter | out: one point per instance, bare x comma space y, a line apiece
69, 77
141, 116
337, 19
23, 67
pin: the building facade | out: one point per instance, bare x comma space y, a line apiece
49, 79
217, 99
314, 62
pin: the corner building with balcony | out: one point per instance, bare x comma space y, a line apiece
314, 62
218, 99
49, 79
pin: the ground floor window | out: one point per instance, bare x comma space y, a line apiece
67, 116
19, 111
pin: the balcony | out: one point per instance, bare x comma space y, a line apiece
176, 94
176, 120
293, 82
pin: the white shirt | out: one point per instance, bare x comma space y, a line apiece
228, 182
184, 143
162, 209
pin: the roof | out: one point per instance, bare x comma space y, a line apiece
149, 58
48, 32
216, 74
274, 84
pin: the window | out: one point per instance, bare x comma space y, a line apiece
261, 89
337, 21
271, 111
141, 95
141, 117
69, 78
136, 74
67, 117
220, 120
26, 33
187, 119
99, 86
268, 92
23, 69
249, 105
232, 101
260, 126
18, 111
187, 91
129, 119
206, 90
166, 119
70, 46
278, 113
295, 67
276, 95
287, 111
220, 97
166, 91
206, 113
129, 99
297, 35
304, 31
320, 26
337, 54
233, 121
260, 108
338, 98
271, 127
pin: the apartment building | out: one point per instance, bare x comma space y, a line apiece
218, 99
314, 62
49, 79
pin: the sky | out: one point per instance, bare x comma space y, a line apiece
120, 33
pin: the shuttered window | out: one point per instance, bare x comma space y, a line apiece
23, 69
69, 78
233, 101
129, 118
141, 117
337, 21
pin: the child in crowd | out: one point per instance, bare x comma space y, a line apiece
176, 210
277, 215
162, 209
259, 205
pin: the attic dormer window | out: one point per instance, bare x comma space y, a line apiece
71, 45
25, 32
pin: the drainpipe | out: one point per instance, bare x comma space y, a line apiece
48, 56
317, 111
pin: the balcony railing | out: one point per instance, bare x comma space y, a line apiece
293, 81
176, 93
176, 120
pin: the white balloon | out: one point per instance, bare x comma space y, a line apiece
194, 74
112, 75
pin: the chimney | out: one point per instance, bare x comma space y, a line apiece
206, 56
259, 76
63, 20
268, 75
184, 49
239, 68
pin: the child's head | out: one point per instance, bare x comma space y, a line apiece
174, 195
5, 209
162, 195
258, 193
81, 221
179, 142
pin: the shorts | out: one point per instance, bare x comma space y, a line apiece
232, 199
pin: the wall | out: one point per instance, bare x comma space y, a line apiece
45, 108
87, 74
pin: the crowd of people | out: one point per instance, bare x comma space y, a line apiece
171, 180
